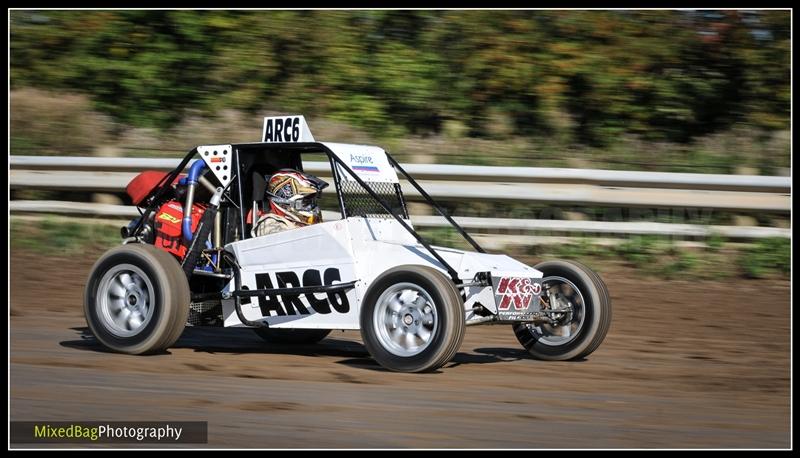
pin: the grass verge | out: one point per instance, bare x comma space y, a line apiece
649, 255
55, 236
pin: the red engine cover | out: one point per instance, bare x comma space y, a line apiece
141, 185
168, 227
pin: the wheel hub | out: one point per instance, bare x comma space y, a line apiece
124, 299
565, 297
404, 319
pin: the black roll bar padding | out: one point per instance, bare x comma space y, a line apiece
240, 194
160, 189
259, 186
374, 195
259, 190
436, 206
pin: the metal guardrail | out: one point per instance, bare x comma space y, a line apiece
545, 186
603, 228
544, 193
754, 183
450, 182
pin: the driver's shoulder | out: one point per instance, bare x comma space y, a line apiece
278, 220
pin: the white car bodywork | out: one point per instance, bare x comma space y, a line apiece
355, 248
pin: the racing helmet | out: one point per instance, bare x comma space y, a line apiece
293, 195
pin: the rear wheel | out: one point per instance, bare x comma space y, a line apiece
136, 299
292, 336
412, 319
580, 328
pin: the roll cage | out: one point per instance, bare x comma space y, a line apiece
355, 196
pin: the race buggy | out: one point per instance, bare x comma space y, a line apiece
190, 258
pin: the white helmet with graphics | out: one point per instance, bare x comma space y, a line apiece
293, 195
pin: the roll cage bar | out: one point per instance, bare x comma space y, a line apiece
156, 196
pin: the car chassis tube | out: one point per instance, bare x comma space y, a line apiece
239, 293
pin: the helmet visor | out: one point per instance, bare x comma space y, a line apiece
307, 203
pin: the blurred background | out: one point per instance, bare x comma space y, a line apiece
653, 146
699, 91
661, 91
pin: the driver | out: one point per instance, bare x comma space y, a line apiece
292, 199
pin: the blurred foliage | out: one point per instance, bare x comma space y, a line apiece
715, 242
641, 250
61, 237
766, 256
583, 77
444, 237
664, 257
582, 248
40, 120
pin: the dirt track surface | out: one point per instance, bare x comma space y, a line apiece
685, 365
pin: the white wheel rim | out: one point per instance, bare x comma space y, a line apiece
405, 319
125, 297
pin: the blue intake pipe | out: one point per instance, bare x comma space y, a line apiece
191, 183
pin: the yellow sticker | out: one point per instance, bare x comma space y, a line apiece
168, 217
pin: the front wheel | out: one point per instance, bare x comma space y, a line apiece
412, 319
579, 305
136, 299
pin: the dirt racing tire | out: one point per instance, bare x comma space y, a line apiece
412, 319
136, 299
292, 336
583, 330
